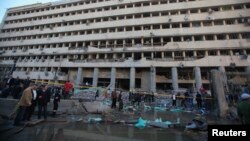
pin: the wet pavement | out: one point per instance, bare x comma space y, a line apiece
76, 129
100, 132
114, 126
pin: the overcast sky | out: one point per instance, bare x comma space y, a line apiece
5, 4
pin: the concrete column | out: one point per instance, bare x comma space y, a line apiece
173, 55
215, 37
162, 41
152, 79
142, 55
114, 56
231, 53
184, 54
174, 78
112, 78
240, 36
133, 42
142, 41
223, 76
79, 76
218, 52
132, 78
192, 38
244, 52
195, 54
206, 53
95, 77
198, 81
248, 74
219, 94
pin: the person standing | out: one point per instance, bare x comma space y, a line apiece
24, 102
10, 81
16, 88
57, 98
114, 98
174, 100
43, 97
120, 105
243, 109
30, 110
26, 82
67, 88
120, 101
183, 100
96, 94
120, 96
198, 100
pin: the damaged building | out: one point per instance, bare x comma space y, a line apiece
129, 44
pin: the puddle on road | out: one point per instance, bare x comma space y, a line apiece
99, 132
76, 130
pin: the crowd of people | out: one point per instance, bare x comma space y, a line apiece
36, 96
33, 95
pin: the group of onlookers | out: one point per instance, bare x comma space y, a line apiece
137, 96
36, 96
32, 95
13, 87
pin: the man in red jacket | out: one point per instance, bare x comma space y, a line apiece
67, 88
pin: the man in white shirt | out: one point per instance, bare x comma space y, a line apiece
9, 81
174, 99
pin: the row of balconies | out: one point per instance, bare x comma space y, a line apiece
75, 26
45, 10
129, 22
170, 6
207, 61
126, 35
183, 46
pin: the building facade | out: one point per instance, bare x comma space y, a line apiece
147, 44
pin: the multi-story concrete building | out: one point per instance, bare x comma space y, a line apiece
147, 44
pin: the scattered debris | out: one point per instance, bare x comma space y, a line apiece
197, 123
94, 120
176, 110
140, 123
159, 123
160, 108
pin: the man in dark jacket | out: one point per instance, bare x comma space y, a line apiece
57, 98
17, 88
243, 109
26, 82
114, 98
198, 100
43, 97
